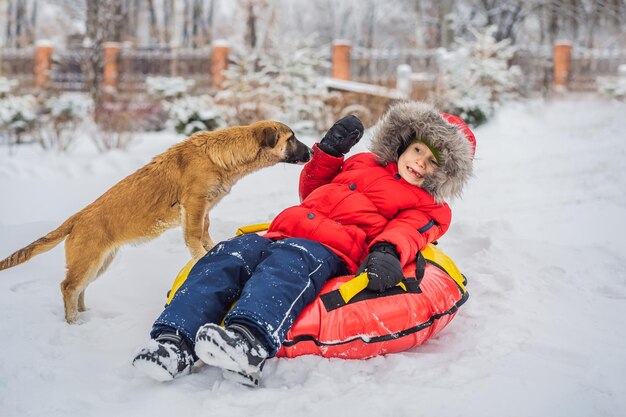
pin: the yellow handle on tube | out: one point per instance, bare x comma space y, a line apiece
357, 284
252, 228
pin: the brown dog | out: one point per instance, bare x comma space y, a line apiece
177, 187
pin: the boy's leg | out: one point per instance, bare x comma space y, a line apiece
285, 281
213, 284
288, 278
205, 296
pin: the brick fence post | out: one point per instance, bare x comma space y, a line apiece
562, 60
110, 76
43, 64
219, 62
341, 59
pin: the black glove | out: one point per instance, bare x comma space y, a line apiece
382, 266
342, 136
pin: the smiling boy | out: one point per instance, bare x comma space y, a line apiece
371, 212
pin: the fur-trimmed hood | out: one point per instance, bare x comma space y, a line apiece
447, 134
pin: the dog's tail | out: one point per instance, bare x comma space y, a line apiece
41, 245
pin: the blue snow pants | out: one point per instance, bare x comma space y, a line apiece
271, 282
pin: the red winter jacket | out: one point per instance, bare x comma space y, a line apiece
350, 205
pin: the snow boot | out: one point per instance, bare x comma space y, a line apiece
165, 358
234, 349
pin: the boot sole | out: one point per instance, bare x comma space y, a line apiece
222, 355
152, 369
216, 355
249, 380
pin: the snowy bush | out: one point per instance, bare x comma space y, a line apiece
18, 115
115, 127
247, 92
168, 88
61, 117
69, 106
614, 87
476, 76
300, 85
194, 114
281, 83
6, 86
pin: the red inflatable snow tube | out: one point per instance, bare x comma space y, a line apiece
347, 322
372, 324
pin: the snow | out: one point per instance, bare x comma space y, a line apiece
362, 88
540, 235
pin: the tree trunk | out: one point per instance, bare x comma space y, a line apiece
186, 30
447, 34
196, 29
154, 24
419, 23
209, 22
9, 39
168, 21
251, 22
98, 30
33, 22
553, 22
19, 22
115, 21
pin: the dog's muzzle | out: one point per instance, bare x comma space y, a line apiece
302, 155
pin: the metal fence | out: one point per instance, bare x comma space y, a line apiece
68, 70
135, 65
18, 64
589, 64
379, 66
374, 66
536, 68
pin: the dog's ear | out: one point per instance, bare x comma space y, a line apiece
269, 136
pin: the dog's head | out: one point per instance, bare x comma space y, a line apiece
280, 141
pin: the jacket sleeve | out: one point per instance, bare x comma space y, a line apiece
320, 170
412, 229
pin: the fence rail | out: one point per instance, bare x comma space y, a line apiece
67, 71
18, 64
379, 66
589, 64
375, 66
136, 65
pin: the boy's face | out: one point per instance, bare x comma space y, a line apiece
416, 163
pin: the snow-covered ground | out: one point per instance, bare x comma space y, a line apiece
540, 234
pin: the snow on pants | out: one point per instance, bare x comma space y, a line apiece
271, 282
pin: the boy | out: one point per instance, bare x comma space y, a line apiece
372, 212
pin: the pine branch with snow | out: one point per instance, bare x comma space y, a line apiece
614, 87
7, 86
194, 113
167, 88
282, 83
18, 115
476, 77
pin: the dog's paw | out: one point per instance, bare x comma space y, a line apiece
208, 245
74, 319
199, 253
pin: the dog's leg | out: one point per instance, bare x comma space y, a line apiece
73, 286
85, 257
192, 212
81, 301
207, 242
107, 261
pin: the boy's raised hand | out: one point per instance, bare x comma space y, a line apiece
382, 266
342, 136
